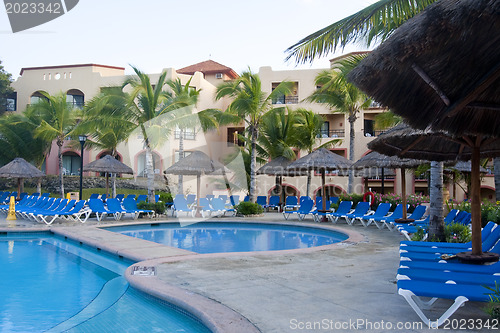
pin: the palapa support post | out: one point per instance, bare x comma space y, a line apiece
12, 209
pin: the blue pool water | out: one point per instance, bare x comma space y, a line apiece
212, 237
52, 285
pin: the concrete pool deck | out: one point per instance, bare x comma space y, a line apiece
323, 289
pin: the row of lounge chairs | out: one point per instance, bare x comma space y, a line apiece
47, 210
424, 273
208, 206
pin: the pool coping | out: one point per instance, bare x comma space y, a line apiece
213, 314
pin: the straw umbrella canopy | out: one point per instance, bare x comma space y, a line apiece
20, 169
197, 164
404, 141
277, 167
464, 167
376, 159
321, 160
108, 164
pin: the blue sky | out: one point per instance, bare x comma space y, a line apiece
154, 34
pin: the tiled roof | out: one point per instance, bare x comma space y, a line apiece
208, 67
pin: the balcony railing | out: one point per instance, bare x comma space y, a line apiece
332, 134
286, 100
188, 135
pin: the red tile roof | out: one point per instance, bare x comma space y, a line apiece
208, 67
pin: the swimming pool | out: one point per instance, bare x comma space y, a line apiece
217, 237
49, 284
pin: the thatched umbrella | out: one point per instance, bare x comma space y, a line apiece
20, 169
277, 167
108, 164
404, 141
197, 163
441, 67
376, 159
465, 168
320, 160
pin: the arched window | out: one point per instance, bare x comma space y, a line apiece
75, 97
141, 164
36, 97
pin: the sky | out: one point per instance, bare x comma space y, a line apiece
153, 34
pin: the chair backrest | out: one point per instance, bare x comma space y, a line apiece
69, 205
78, 206
291, 200
223, 197
362, 208
262, 200
334, 200
36, 194
114, 204
304, 197
209, 196
218, 204
22, 195
142, 197
180, 203
491, 240
94, 196
60, 205
234, 199
96, 205
131, 196
191, 198
450, 216
205, 203
46, 194
418, 212
344, 207
246, 198
120, 197
398, 211
306, 206
274, 200
382, 209
103, 197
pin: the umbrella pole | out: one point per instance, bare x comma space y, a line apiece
476, 201
107, 185
383, 181
323, 171
18, 188
403, 190
198, 186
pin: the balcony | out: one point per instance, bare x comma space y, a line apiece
286, 100
187, 134
332, 134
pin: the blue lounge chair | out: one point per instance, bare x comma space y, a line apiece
48, 217
380, 212
220, 208
246, 198
132, 196
262, 200
131, 206
274, 202
305, 208
209, 197
191, 199
344, 208
46, 194
142, 197
362, 208
205, 207
52, 210
291, 203
97, 208
120, 197
94, 196
223, 197
115, 205
180, 205
380, 222
78, 213
418, 212
234, 200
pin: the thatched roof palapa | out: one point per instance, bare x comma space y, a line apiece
196, 163
320, 160
19, 168
441, 67
108, 164
277, 167
375, 159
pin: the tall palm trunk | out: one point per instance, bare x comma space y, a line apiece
180, 185
436, 222
496, 171
150, 171
253, 165
60, 143
352, 119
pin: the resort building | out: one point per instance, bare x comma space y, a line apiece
82, 82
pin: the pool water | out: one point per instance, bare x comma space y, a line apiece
213, 237
52, 285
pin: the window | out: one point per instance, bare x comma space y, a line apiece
293, 98
11, 104
325, 129
36, 97
75, 97
177, 155
188, 133
218, 75
368, 124
71, 164
232, 135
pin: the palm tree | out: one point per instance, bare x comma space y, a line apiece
145, 105
249, 105
372, 24
106, 123
181, 96
308, 133
58, 119
277, 134
343, 97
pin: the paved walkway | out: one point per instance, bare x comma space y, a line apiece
351, 286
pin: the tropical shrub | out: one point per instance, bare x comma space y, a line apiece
354, 197
166, 197
394, 199
158, 207
249, 208
493, 308
457, 233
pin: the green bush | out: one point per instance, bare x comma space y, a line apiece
354, 197
166, 197
457, 233
418, 235
493, 308
249, 208
158, 207
394, 199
